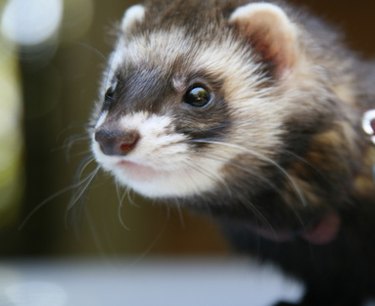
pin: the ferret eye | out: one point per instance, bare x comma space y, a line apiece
197, 96
108, 97
109, 94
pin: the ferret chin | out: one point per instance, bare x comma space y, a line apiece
250, 111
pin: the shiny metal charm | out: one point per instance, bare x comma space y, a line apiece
368, 124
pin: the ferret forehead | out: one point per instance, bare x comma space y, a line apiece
156, 48
177, 51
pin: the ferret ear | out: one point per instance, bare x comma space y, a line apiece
133, 14
271, 33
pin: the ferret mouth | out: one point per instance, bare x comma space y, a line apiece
138, 171
322, 232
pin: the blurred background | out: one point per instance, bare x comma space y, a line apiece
52, 53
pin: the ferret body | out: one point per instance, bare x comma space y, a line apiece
250, 111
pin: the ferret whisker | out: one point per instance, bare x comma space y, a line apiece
68, 144
121, 199
268, 160
71, 141
80, 154
120, 217
241, 149
189, 175
94, 51
180, 215
130, 199
81, 181
93, 231
85, 163
259, 216
82, 188
121, 194
257, 176
250, 205
51, 198
232, 162
43, 203
214, 177
300, 158
71, 129
268, 182
153, 242
209, 174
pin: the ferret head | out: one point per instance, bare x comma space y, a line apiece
196, 99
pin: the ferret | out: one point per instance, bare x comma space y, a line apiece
250, 112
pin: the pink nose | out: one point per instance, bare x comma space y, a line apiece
116, 142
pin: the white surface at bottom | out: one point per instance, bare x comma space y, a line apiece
208, 282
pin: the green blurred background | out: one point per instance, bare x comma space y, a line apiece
47, 90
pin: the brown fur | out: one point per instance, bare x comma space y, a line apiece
289, 128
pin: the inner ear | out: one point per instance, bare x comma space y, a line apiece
269, 30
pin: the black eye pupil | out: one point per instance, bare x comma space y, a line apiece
109, 94
197, 96
108, 98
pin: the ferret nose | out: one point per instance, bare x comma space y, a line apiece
116, 142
